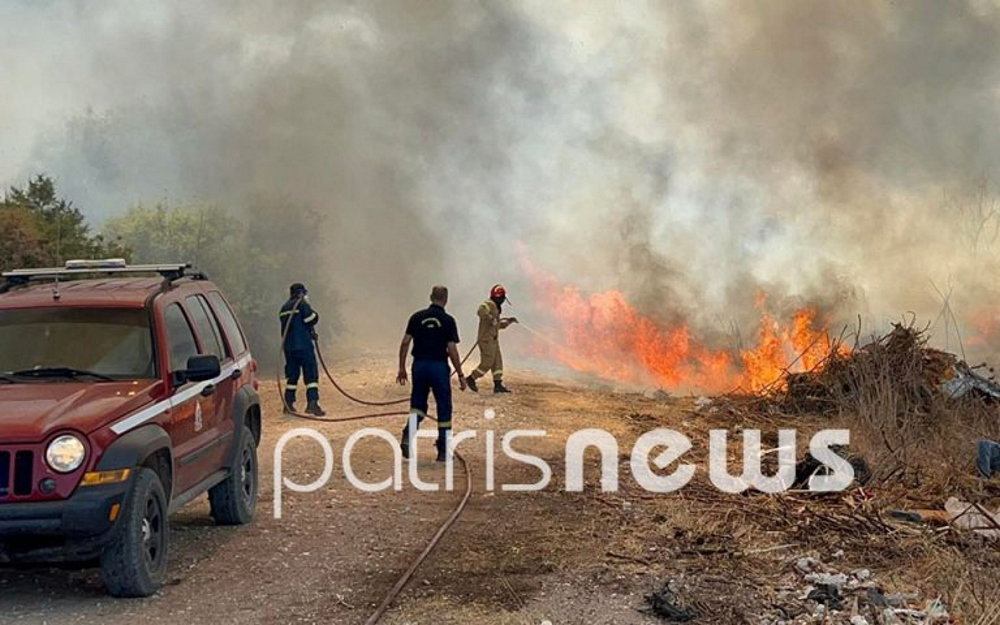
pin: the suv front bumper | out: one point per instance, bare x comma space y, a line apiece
71, 529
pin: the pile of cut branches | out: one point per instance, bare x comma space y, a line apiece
899, 363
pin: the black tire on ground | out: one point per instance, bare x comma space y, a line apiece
135, 564
234, 500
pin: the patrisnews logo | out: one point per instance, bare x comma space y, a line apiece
652, 455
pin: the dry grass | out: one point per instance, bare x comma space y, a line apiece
920, 445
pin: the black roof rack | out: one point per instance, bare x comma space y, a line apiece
171, 272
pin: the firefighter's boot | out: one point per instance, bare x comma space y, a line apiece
471, 383
499, 388
404, 444
314, 409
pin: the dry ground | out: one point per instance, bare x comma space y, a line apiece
515, 558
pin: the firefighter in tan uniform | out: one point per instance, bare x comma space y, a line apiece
490, 324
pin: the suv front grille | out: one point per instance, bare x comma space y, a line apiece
16, 477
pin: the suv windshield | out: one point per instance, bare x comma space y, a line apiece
76, 343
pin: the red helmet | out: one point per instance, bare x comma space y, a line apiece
498, 292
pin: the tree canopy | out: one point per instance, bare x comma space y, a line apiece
253, 255
42, 229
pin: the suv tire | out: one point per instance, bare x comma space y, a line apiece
134, 564
234, 500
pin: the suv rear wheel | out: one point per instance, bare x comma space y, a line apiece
135, 563
233, 501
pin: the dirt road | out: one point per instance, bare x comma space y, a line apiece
512, 557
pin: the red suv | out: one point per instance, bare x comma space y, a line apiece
122, 398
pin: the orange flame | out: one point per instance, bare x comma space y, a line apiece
986, 327
797, 347
604, 335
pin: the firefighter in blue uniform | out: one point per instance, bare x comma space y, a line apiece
298, 329
434, 335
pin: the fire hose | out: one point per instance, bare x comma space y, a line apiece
395, 591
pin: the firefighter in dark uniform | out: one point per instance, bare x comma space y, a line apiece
298, 329
434, 335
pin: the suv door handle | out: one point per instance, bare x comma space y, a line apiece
208, 391
236, 375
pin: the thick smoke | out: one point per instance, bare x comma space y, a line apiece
842, 153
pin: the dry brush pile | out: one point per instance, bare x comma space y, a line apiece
918, 438
896, 395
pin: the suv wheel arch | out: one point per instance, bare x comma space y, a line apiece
160, 462
147, 446
246, 414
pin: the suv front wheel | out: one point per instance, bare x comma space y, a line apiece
234, 500
135, 563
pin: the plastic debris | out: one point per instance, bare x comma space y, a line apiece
856, 598
965, 380
837, 580
828, 595
988, 461
862, 575
968, 516
665, 604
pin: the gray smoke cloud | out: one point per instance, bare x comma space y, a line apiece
689, 154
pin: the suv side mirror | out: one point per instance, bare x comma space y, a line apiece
201, 368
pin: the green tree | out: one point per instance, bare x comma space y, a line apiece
21, 244
253, 256
45, 229
204, 235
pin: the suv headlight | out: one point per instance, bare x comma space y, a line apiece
65, 454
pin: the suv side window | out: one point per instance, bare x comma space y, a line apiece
180, 339
236, 341
208, 329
